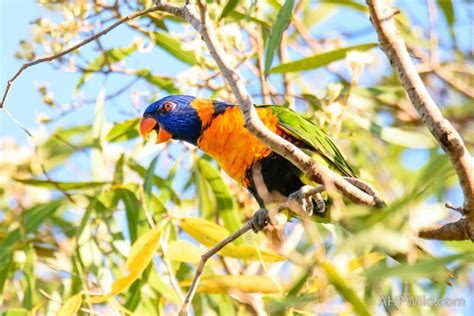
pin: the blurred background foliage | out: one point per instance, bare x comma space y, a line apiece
75, 197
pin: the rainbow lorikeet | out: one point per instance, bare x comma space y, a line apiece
218, 129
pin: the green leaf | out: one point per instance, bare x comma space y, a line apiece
164, 83
448, 12
148, 183
405, 27
134, 292
16, 312
205, 202
118, 174
242, 16
64, 143
160, 286
132, 209
229, 7
98, 125
381, 94
175, 48
427, 181
282, 21
275, 4
343, 288
319, 60
432, 267
225, 202
313, 15
424, 183
165, 187
395, 135
29, 277
348, 3
123, 131
112, 56
94, 204
65, 186
32, 218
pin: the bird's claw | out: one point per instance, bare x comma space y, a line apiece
260, 220
306, 196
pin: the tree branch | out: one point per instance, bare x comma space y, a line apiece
452, 231
67, 51
449, 139
206, 256
292, 153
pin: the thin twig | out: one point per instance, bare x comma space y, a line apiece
444, 74
50, 180
449, 139
454, 208
172, 278
206, 256
118, 92
67, 51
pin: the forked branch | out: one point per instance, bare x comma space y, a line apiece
393, 45
202, 263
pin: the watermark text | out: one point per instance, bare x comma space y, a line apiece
410, 300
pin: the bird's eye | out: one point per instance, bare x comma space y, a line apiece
168, 106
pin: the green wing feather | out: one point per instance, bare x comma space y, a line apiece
311, 135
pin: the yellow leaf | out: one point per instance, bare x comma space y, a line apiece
143, 249
183, 251
365, 261
71, 306
206, 232
210, 234
140, 256
35, 309
247, 252
244, 283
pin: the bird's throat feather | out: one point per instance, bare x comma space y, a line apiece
235, 149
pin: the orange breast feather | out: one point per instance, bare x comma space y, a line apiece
232, 145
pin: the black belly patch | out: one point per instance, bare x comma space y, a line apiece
279, 175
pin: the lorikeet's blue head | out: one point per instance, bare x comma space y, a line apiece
180, 117
172, 117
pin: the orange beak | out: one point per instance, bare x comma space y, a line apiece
148, 124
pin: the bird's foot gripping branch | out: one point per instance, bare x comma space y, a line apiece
260, 220
310, 199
